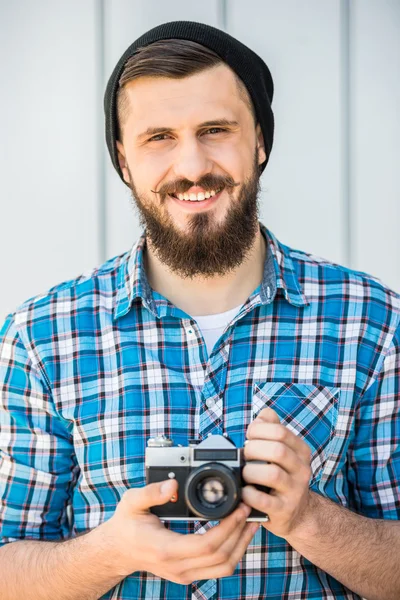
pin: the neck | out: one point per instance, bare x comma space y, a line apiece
206, 296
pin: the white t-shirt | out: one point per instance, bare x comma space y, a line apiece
212, 326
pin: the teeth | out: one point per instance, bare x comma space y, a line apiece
197, 197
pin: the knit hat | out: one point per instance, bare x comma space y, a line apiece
250, 68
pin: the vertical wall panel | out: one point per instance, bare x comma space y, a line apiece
53, 183
375, 69
302, 198
124, 22
48, 146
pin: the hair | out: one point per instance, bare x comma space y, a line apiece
170, 58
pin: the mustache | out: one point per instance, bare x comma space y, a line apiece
208, 183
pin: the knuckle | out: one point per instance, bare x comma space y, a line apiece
128, 500
232, 566
162, 554
210, 546
245, 471
306, 451
281, 433
222, 555
227, 570
184, 579
246, 449
129, 495
280, 452
175, 575
264, 412
307, 473
274, 474
263, 502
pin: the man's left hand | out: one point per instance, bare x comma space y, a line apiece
288, 475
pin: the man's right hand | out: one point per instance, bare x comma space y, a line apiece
140, 541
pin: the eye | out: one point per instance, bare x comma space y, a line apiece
215, 130
158, 137
163, 136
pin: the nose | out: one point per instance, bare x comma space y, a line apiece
191, 160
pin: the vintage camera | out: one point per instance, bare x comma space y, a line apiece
209, 474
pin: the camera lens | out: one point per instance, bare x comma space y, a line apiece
212, 491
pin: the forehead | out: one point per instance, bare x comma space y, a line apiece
161, 101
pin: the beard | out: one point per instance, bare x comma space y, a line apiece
206, 248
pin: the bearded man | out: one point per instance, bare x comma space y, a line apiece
208, 326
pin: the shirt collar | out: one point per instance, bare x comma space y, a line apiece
278, 273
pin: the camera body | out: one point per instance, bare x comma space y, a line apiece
209, 474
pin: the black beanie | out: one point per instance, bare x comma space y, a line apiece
251, 69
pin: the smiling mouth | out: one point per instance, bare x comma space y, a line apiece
200, 197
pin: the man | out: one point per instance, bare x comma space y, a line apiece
209, 325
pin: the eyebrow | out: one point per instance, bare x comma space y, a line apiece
214, 123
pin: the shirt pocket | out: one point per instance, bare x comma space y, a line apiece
309, 411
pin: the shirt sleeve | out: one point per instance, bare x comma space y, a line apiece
374, 455
37, 463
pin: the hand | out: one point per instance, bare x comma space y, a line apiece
142, 543
288, 474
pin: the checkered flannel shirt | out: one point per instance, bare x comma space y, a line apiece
97, 365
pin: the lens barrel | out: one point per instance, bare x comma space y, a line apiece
212, 491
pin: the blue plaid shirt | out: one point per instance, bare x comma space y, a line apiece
93, 368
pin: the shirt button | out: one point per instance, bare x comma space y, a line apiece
210, 402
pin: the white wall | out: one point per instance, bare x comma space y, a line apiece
48, 161
375, 138
331, 186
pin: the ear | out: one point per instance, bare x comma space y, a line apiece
122, 162
260, 145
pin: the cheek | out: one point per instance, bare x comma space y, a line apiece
233, 158
147, 173
154, 162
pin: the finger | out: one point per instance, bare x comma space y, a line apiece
242, 546
269, 415
221, 553
266, 503
194, 545
279, 433
139, 500
269, 475
273, 452
228, 566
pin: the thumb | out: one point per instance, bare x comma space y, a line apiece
269, 415
153, 494
167, 489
